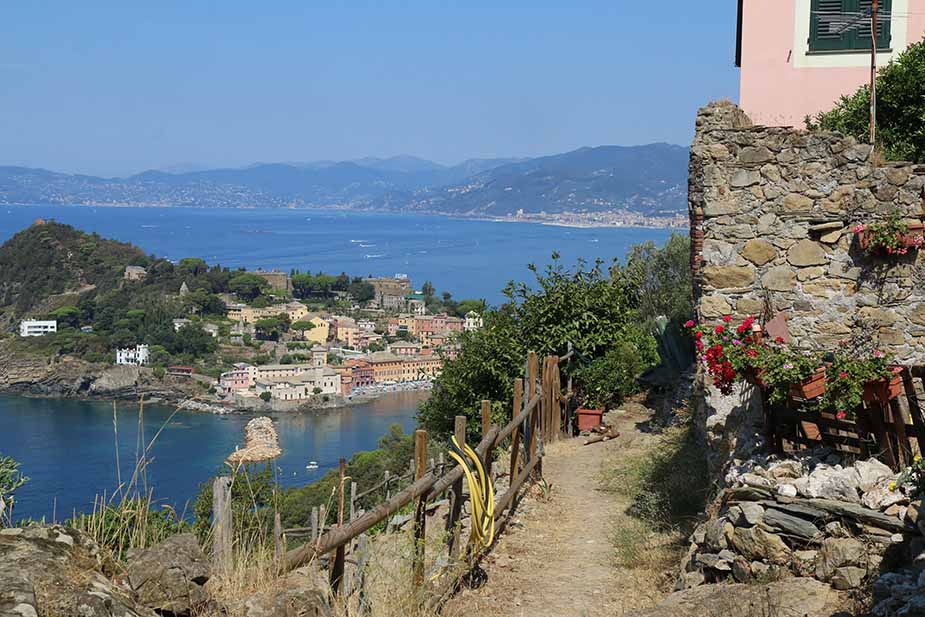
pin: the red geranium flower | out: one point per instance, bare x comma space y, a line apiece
689, 323
727, 318
719, 329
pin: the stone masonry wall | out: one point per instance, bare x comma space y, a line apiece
772, 212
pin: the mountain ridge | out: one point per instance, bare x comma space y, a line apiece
645, 180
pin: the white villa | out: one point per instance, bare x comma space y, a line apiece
36, 327
473, 321
132, 357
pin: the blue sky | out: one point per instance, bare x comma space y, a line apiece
113, 88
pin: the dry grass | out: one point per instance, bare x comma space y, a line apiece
662, 481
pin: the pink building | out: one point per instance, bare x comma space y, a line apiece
796, 61
241, 378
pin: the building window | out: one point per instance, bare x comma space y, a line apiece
844, 25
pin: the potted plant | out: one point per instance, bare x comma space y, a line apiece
884, 389
892, 236
849, 376
792, 373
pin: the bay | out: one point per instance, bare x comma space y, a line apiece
467, 257
67, 447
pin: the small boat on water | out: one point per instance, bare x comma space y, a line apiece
312, 465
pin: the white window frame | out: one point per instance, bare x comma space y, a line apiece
802, 59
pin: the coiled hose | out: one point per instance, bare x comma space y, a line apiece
481, 492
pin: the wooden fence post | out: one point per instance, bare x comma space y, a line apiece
456, 496
224, 525
532, 371
515, 437
278, 542
337, 567
486, 417
315, 533
420, 459
353, 500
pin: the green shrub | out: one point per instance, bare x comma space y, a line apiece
11, 479
900, 108
607, 380
265, 397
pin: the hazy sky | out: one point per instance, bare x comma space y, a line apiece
110, 88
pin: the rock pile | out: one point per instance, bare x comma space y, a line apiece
261, 443
810, 517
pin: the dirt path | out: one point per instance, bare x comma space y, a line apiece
558, 558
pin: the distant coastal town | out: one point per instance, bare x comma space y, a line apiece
377, 334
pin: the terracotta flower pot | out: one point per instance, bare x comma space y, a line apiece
811, 387
884, 390
589, 418
908, 240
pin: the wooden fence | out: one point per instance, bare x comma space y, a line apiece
536, 419
887, 429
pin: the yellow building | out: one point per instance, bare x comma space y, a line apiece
319, 334
248, 314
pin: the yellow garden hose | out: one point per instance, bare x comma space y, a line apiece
481, 493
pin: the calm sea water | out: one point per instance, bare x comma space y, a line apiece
68, 447
470, 259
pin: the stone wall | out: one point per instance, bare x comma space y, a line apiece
772, 213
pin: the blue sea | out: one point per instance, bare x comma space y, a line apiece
68, 447
469, 258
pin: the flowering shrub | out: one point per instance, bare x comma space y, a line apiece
914, 475
729, 352
847, 376
890, 236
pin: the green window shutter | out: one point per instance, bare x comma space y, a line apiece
862, 35
825, 19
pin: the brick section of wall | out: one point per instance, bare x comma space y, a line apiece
772, 212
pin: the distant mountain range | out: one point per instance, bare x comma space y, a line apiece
648, 180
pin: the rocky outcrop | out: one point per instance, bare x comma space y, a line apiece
170, 576
59, 571
809, 516
790, 598
69, 377
261, 443
294, 595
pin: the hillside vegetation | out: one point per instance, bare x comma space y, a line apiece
900, 109
50, 258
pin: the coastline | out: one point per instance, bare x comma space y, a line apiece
656, 222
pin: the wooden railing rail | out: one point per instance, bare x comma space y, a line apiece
536, 419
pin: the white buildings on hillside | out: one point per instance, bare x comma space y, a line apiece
132, 357
37, 327
473, 321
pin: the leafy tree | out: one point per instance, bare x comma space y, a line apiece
302, 326
594, 309
248, 286
361, 291
428, 290
661, 278
465, 306
67, 315
900, 108
316, 390
193, 265
269, 328
11, 479
265, 396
